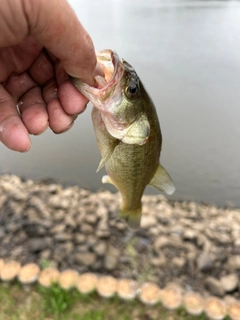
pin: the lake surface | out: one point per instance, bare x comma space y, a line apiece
187, 54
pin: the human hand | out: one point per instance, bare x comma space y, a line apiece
41, 41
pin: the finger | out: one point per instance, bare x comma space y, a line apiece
72, 101
33, 111
17, 85
18, 58
59, 120
13, 133
55, 25
42, 69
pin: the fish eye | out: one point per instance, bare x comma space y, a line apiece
132, 90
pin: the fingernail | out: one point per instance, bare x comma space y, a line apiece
98, 71
30, 146
65, 130
83, 109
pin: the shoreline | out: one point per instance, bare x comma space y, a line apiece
182, 247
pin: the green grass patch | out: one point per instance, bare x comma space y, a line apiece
54, 303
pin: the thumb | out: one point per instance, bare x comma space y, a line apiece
56, 27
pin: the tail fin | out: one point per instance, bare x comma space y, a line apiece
132, 217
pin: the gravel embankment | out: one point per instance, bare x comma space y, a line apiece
195, 246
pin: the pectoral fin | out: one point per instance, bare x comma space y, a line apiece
162, 181
138, 132
107, 151
106, 143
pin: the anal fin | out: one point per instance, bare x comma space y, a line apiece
162, 181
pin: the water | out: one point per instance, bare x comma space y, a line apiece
187, 53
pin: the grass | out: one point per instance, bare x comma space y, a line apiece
17, 303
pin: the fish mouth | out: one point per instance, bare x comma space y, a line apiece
107, 87
112, 69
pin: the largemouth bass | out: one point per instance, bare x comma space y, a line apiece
128, 133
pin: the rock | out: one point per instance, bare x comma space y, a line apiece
46, 254
110, 262
29, 273
79, 238
91, 240
91, 218
106, 286
161, 242
58, 228
201, 240
127, 289
12, 227
154, 231
87, 228
214, 286
57, 201
177, 231
205, 262
234, 262
2, 233
63, 236
189, 234
234, 310
171, 297
67, 247
3, 199
178, 262
86, 283
39, 244
102, 212
112, 251
229, 282
48, 276
159, 261
10, 270
17, 252
194, 303
100, 248
120, 225
33, 230
68, 279
148, 221
85, 258
82, 247
103, 233
215, 308
59, 255
149, 293
70, 222
224, 238
59, 215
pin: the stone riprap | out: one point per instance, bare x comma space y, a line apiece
189, 251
